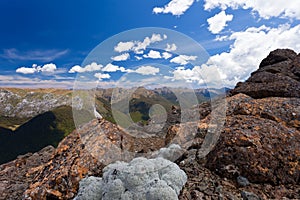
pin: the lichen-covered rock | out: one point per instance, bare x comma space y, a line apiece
139, 179
84, 153
172, 152
260, 141
90, 188
17, 175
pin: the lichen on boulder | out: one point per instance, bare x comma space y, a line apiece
139, 179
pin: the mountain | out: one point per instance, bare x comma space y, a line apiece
256, 156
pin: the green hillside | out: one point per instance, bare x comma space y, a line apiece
45, 129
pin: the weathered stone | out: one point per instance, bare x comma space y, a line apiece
17, 175
278, 76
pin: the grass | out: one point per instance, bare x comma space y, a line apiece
12, 122
45, 129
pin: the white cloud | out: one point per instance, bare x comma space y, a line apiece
47, 68
121, 57
111, 68
153, 54
124, 46
171, 47
166, 55
204, 75
218, 22
88, 68
175, 7
139, 46
250, 47
101, 76
26, 70
265, 9
186, 74
183, 59
147, 70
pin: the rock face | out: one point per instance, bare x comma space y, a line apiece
260, 140
84, 152
278, 76
17, 175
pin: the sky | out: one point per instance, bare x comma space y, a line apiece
58, 43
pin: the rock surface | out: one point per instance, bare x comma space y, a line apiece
84, 152
278, 76
139, 179
17, 175
260, 140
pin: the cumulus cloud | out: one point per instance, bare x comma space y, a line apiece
166, 55
183, 59
110, 68
139, 46
250, 47
171, 47
218, 22
175, 7
147, 70
47, 68
265, 9
101, 76
124, 46
121, 57
88, 68
26, 70
190, 75
152, 54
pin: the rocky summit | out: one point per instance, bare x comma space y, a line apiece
278, 76
257, 155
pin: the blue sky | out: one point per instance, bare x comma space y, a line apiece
41, 41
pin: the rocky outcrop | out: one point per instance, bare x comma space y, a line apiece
17, 175
85, 152
278, 76
260, 141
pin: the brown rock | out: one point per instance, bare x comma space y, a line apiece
17, 175
85, 152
